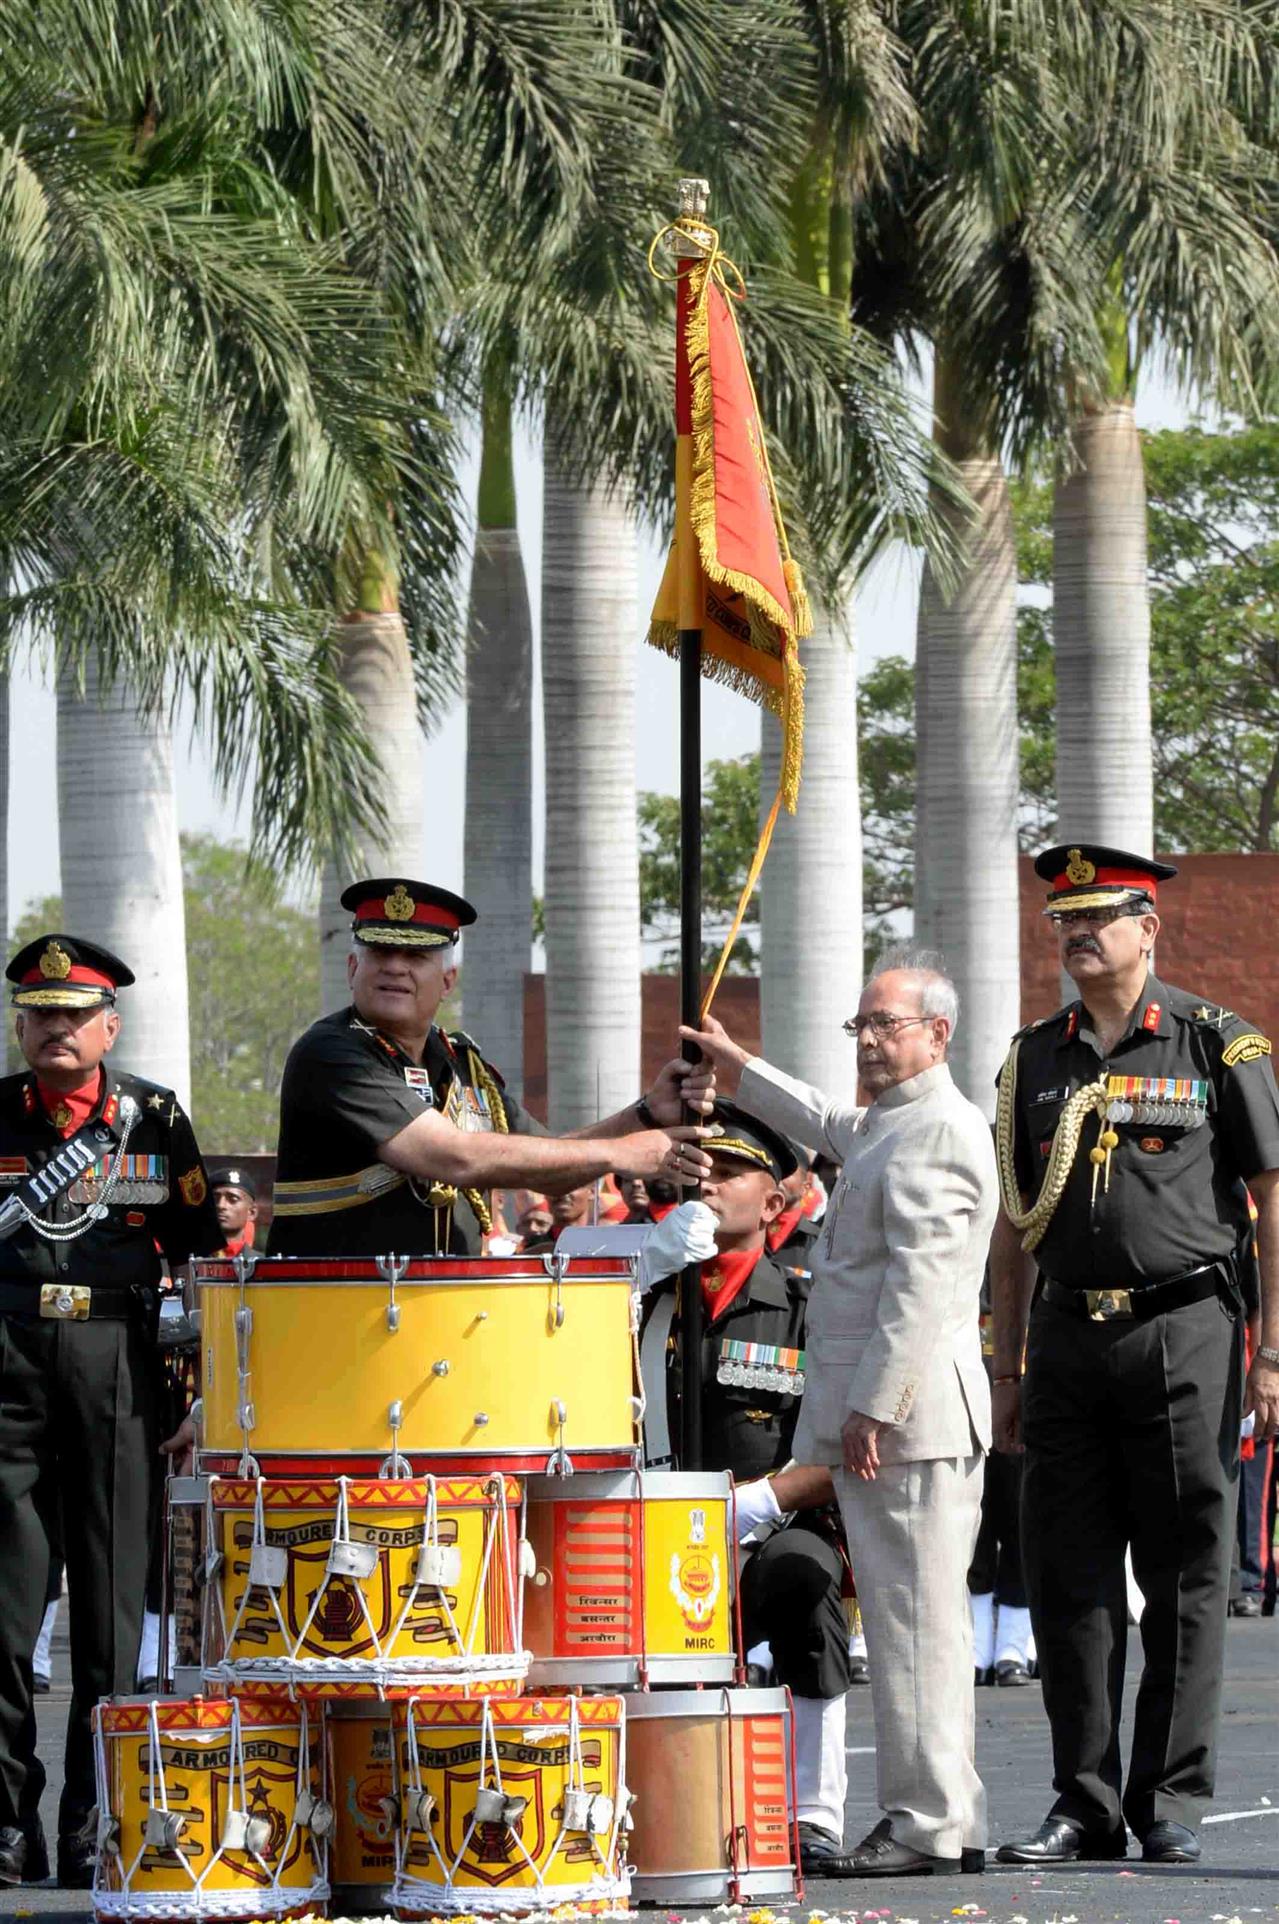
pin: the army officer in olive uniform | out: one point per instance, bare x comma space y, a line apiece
78, 1369
1125, 1124
393, 1131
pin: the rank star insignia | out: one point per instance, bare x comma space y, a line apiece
155, 1101
55, 963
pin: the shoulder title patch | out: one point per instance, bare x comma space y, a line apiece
1245, 1048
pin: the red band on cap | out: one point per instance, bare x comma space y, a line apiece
1113, 878
426, 915
78, 972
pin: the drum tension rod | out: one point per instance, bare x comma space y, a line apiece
391, 1268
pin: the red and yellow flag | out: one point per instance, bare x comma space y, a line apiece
741, 587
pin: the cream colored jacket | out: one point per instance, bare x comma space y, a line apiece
893, 1327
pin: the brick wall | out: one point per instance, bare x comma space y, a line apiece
1219, 918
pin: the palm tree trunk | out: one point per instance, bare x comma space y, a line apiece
4, 843
967, 759
122, 865
589, 629
811, 890
499, 760
375, 667
1101, 635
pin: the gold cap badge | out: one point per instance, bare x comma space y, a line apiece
55, 963
1079, 869
399, 905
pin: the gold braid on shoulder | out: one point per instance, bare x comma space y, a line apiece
1091, 1099
483, 1079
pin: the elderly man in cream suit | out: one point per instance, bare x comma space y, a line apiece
897, 1400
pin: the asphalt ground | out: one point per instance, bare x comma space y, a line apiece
1237, 1881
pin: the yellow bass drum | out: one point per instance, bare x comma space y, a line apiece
317, 1365
209, 1808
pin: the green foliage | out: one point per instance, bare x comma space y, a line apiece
1213, 518
254, 981
730, 830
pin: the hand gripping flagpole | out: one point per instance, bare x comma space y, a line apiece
688, 248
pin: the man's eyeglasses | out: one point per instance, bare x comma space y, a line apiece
1094, 918
880, 1023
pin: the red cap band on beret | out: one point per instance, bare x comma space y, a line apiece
78, 972
426, 915
1115, 878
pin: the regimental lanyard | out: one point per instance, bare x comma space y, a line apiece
1159, 1102
761, 1366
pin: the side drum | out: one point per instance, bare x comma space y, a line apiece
361, 1765
510, 1805
633, 1579
209, 1809
351, 1588
714, 1783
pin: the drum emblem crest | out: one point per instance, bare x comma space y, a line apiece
695, 1584
491, 1852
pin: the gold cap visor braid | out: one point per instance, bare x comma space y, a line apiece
400, 935
1105, 898
70, 996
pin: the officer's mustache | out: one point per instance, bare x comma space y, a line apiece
1083, 945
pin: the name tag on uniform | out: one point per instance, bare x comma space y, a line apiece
419, 1080
1051, 1095
761, 1366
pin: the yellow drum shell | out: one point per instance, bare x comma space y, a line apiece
362, 1776
215, 1758
311, 1636
634, 1579
488, 1359
713, 1778
538, 1750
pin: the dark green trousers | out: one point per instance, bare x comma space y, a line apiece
1132, 1441
77, 1435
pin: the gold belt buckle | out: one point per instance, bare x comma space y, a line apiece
65, 1302
1106, 1305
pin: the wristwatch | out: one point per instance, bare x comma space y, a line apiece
647, 1119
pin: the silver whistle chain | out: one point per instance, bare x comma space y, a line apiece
68, 1232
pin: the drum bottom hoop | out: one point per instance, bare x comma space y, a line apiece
407, 1673
409, 1897
624, 1672
709, 1887
238, 1907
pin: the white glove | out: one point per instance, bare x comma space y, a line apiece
756, 1504
686, 1235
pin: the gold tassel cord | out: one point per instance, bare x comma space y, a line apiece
1092, 1099
483, 1079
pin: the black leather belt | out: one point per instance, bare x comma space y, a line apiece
1138, 1305
69, 1303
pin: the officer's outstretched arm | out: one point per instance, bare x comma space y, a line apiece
433, 1149
1012, 1282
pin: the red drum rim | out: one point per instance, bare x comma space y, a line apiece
416, 1269
131, 1716
517, 1712
286, 1466
362, 1493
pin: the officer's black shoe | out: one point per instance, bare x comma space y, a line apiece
24, 1855
858, 1671
880, 1855
821, 1853
1058, 1841
982, 1676
972, 1862
1011, 1671
77, 1855
41, 1686
1248, 1605
1167, 1843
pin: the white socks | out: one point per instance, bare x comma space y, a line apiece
42, 1655
821, 1768
982, 1609
1013, 1641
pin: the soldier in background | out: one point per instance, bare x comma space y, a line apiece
79, 1299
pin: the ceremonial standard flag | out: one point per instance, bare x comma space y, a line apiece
748, 599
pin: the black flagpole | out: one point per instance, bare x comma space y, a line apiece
692, 206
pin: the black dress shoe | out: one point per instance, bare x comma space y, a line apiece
859, 1671
1248, 1605
880, 1855
1011, 1671
981, 1676
77, 1856
821, 1853
40, 1686
1166, 1843
1059, 1841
